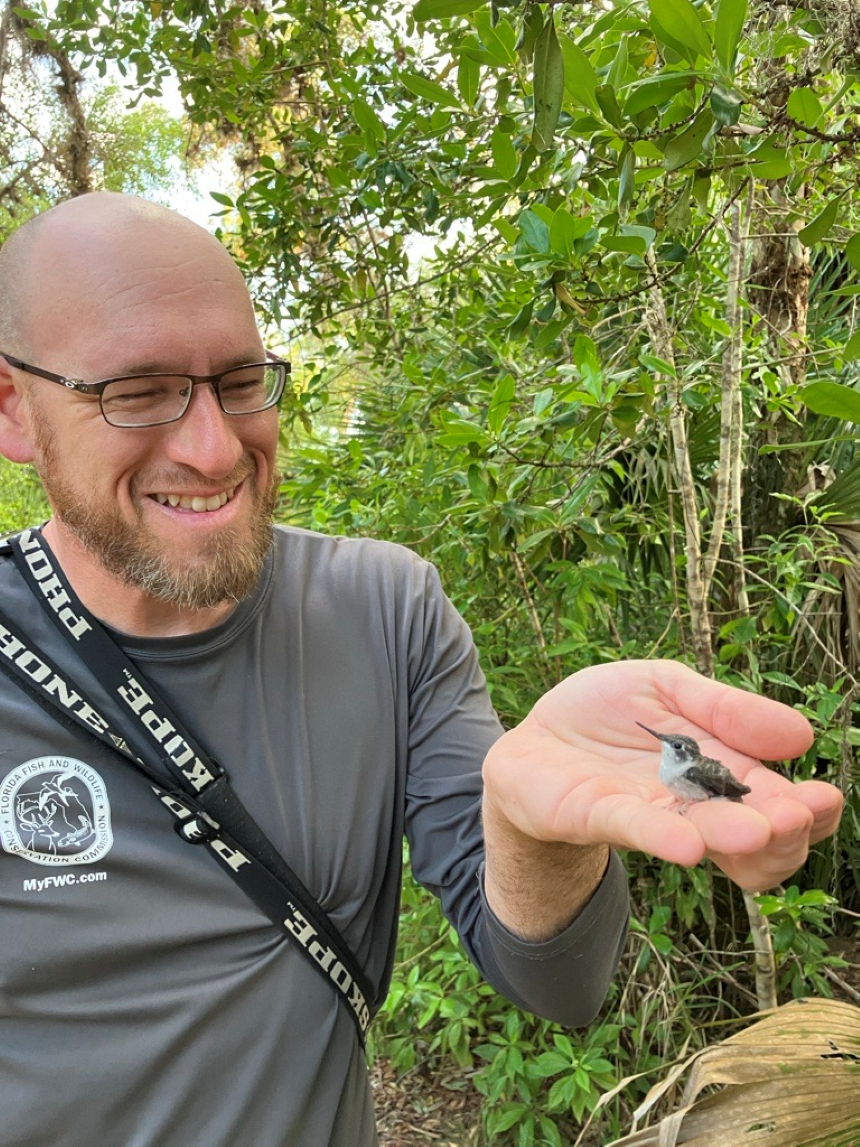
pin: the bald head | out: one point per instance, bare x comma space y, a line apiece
97, 251
14, 286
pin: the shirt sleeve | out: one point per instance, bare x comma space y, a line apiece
451, 727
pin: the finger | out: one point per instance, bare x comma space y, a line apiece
824, 801
790, 822
628, 823
730, 828
755, 725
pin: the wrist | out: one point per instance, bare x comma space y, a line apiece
537, 888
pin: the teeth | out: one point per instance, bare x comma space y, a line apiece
196, 503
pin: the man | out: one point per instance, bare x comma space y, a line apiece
148, 1002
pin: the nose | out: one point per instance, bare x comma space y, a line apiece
205, 438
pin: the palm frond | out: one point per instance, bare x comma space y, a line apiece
792, 1079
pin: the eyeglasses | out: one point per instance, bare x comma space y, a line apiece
154, 399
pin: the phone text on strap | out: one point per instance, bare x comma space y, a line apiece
192, 786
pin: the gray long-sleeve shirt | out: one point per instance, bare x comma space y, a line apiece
144, 1000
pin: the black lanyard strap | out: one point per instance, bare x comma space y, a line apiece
194, 788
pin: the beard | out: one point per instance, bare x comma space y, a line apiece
226, 569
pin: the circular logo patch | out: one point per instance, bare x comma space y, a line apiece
55, 810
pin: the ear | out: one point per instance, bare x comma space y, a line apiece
15, 436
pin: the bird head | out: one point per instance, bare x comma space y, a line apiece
682, 750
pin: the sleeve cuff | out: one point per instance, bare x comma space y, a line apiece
565, 978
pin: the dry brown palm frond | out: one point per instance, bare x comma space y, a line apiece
791, 1079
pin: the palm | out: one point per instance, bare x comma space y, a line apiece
579, 769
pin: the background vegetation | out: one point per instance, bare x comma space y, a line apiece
572, 289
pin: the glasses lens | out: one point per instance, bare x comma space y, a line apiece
251, 388
156, 398
145, 401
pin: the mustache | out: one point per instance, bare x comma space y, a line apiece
179, 477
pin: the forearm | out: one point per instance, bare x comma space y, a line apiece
537, 888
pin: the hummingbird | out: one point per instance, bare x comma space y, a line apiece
691, 776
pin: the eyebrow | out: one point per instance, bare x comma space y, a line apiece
156, 366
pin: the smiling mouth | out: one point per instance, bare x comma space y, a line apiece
196, 502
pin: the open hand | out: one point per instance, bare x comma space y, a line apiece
580, 770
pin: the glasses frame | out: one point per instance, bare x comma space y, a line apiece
213, 380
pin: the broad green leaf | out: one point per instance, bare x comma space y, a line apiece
548, 85
505, 159
542, 400
441, 9
500, 403
820, 225
770, 161
687, 147
701, 189
776, 168
715, 324
528, 157
832, 399
805, 106
550, 333
728, 28
547, 310
550, 1063
478, 486
532, 27
648, 234
584, 353
580, 78
852, 347
534, 231
726, 106
674, 253
625, 415
498, 39
563, 232
626, 179
468, 79
609, 105
656, 91
618, 72
460, 432
679, 25
220, 197
428, 90
852, 251
627, 244
680, 214
367, 119
543, 211
521, 320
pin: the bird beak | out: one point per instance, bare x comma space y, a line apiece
659, 736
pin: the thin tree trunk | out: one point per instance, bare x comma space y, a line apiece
657, 322
727, 480
765, 960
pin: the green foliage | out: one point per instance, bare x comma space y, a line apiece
141, 150
800, 923
22, 502
56, 140
537, 1080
